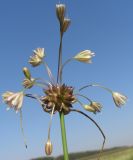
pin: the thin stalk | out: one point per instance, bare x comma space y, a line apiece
40, 84
64, 140
59, 75
22, 129
50, 123
61, 114
36, 98
84, 97
96, 85
49, 72
67, 61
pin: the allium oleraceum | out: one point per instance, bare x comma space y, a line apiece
58, 97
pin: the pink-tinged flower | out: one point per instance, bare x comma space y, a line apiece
84, 56
13, 100
119, 99
93, 107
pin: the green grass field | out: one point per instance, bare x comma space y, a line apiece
119, 153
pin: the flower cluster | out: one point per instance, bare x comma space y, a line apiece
57, 96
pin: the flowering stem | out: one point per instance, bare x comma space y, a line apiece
64, 140
62, 120
59, 75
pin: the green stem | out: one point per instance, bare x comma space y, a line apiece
59, 81
63, 132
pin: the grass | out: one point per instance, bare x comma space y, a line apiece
118, 153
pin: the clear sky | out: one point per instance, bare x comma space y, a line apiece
106, 28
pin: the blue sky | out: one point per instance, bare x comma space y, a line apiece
106, 28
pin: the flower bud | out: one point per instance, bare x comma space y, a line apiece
27, 73
66, 24
48, 147
60, 12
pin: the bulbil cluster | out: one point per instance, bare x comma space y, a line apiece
60, 97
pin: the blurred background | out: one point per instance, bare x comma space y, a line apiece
106, 28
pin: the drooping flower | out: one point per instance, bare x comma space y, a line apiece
39, 52
93, 107
60, 12
48, 147
35, 60
119, 99
84, 56
13, 100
